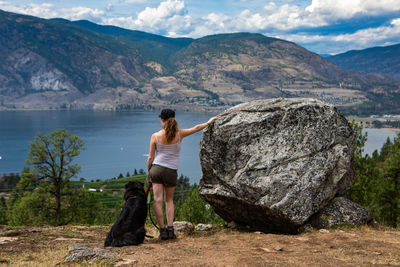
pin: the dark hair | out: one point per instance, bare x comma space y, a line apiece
166, 114
170, 127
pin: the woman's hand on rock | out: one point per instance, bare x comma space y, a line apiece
212, 119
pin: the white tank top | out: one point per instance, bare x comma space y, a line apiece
168, 155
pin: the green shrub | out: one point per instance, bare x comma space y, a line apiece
195, 210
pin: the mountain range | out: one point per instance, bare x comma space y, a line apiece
384, 60
59, 64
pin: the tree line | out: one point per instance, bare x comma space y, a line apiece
377, 180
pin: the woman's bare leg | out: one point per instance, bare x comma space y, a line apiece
158, 190
169, 204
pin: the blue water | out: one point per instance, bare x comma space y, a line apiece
116, 142
376, 138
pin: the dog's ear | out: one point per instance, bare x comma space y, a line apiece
127, 185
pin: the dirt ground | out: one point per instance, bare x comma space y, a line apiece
365, 246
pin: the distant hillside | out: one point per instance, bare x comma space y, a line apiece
81, 65
155, 47
243, 66
385, 60
51, 63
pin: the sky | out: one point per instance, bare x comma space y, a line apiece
321, 26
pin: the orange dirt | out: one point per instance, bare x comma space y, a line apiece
224, 247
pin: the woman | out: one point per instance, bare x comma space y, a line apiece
162, 165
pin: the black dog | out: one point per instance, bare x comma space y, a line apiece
129, 228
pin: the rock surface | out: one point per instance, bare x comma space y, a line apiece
341, 211
272, 164
83, 252
203, 227
183, 228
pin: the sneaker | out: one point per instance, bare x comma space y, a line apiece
163, 234
171, 232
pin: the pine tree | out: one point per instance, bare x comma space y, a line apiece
3, 211
51, 157
389, 196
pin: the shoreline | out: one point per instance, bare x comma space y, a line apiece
392, 129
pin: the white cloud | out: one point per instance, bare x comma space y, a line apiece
134, 1
331, 10
47, 10
44, 10
169, 17
291, 16
76, 13
109, 7
366, 37
165, 11
361, 39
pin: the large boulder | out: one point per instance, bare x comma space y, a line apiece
272, 164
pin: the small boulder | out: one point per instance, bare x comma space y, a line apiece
341, 211
83, 252
203, 227
183, 228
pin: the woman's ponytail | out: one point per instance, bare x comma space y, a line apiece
170, 127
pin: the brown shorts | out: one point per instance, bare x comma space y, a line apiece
162, 175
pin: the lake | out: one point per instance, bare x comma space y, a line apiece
116, 141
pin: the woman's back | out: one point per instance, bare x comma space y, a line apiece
162, 139
167, 154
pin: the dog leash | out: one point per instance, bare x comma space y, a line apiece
148, 195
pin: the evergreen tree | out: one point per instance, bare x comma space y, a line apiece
385, 149
360, 192
389, 196
51, 157
3, 211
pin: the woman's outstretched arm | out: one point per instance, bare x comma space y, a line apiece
195, 129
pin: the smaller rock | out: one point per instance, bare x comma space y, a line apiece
278, 248
7, 239
307, 228
258, 233
203, 227
341, 211
68, 239
126, 263
324, 231
11, 233
81, 252
231, 224
183, 228
75, 246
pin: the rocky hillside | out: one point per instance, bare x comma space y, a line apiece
61, 64
385, 60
